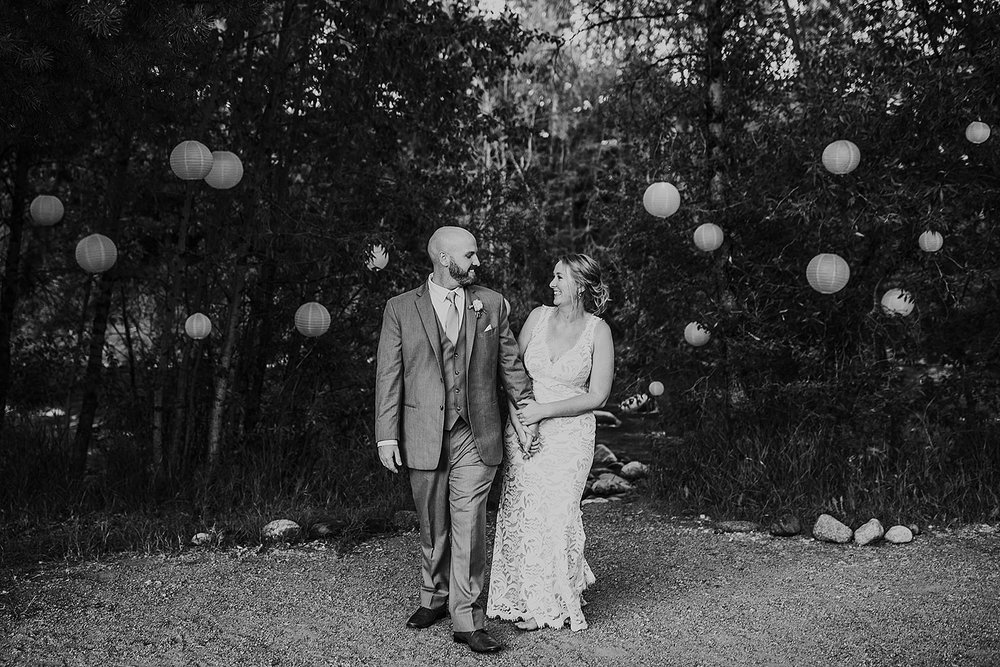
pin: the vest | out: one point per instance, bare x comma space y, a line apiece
456, 398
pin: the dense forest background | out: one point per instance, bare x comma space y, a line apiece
538, 125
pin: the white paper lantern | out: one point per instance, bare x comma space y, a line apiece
198, 326
897, 302
661, 200
841, 157
977, 132
191, 160
708, 237
226, 172
930, 241
828, 273
696, 334
46, 210
312, 319
655, 388
96, 253
377, 258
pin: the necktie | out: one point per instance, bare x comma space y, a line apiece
451, 319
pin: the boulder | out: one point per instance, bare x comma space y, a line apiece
870, 532
323, 529
634, 470
603, 455
829, 529
609, 484
785, 525
914, 528
592, 500
201, 539
406, 520
280, 530
898, 535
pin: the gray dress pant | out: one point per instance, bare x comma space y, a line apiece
451, 504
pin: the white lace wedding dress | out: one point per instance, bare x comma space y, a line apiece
539, 571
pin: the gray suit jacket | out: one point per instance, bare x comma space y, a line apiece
409, 378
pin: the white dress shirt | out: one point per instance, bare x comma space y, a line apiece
439, 297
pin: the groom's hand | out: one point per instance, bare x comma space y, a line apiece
389, 455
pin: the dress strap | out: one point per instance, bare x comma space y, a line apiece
588, 333
540, 325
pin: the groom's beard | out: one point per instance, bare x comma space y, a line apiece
463, 278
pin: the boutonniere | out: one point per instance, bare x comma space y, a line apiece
477, 307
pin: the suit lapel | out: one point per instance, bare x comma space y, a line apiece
471, 320
425, 309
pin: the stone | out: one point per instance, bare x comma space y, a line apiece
201, 539
829, 529
281, 530
406, 520
870, 532
634, 470
595, 499
609, 484
914, 528
785, 525
737, 526
604, 455
324, 529
899, 535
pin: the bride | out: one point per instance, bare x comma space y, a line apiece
539, 571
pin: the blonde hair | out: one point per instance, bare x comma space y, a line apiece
587, 274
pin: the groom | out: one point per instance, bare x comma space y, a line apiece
442, 349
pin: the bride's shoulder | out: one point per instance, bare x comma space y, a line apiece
537, 313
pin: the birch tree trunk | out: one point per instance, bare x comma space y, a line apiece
11, 279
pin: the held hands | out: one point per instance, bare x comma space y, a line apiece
530, 413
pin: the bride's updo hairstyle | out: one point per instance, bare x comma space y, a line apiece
587, 275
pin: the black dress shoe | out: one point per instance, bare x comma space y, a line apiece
479, 641
425, 618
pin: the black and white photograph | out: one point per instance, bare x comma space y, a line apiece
499, 333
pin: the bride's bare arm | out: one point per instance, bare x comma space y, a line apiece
602, 374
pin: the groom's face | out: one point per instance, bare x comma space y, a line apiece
463, 263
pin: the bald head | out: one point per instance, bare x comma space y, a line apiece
453, 253
448, 240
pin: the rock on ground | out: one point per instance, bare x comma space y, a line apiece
634, 470
785, 525
609, 484
898, 535
869, 532
603, 455
829, 529
280, 530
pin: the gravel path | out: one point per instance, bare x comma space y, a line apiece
669, 592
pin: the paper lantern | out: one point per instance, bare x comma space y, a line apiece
46, 210
977, 132
930, 241
897, 302
696, 334
226, 172
841, 157
708, 237
827, 273
96, 253
198, 326
655, 388
191, 160
312, 319
661, 200
377, 258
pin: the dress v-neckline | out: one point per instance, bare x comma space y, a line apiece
548, 348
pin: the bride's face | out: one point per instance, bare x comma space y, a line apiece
564, 288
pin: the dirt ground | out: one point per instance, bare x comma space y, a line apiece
670, 591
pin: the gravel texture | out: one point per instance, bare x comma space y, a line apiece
670, 591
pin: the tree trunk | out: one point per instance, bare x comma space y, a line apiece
92, 377
11, 279
102, 307
225, 364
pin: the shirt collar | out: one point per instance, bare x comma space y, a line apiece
439, 293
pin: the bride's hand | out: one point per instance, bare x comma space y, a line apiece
530, 412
